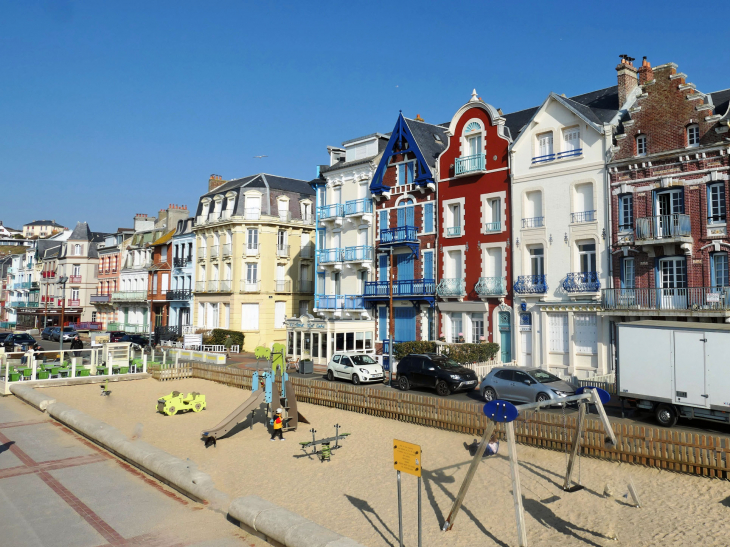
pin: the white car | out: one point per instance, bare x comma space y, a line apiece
356, 367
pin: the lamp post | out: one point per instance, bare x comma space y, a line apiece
62, 281
391, 319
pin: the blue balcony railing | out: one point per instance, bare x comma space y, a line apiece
583, 216
404, 287
469, 164
491, 286
493, 227
330, 256
534, 222
451, 287
453, 231
330, 211
358, 206
582, 282
543, 159
531, 284
339, 302
360, 253
570, 153
663, 227
399, 234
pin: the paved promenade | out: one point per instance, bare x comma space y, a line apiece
58, 489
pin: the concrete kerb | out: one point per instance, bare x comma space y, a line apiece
274, 524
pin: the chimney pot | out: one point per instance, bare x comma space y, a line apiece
627, 79
646, 74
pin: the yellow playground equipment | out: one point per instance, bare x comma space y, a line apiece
175, 402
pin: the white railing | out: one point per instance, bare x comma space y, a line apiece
485, 367
215, 348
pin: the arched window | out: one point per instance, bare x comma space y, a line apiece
406, 213
641, 145
473, 139
693, 135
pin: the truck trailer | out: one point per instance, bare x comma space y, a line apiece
675, 369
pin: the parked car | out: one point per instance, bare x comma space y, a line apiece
524, 385
135, 339
47, 333
69, 333
116, 335
4, 335
356, 367
21, 340
435, 371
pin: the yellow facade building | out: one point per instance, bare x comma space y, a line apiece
254, 263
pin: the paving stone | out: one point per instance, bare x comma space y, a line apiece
45, 442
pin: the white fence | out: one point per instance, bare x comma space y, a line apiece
485, 367
218, 348
212, 358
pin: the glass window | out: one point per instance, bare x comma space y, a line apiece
504, 375
336, 358
627, 273
641, 145
719, 270
253, 239
537, 261
474, 144
716, 207
626, 212
571, 139
587, 257
323, 344
340, 341
350, 341
693, 135
315, 344
477, 327
456, 332
545, 144
368, 340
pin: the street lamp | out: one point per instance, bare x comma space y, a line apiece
62, 281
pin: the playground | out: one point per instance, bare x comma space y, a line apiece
355, 492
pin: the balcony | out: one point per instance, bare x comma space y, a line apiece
282, 251
307, 252
179, 294
469, 164
453, 231
493, 227
543, 159
224, 285
252, 248
47, 274
34, 285
339, 302
583, 216
308, 218
358, 207
129, 296
306, 286
491, 286
252, 213
178, 262
363, 253
663, 229
283, 216
569, 154
200, 286
581, 282
282, 285
100, 298
250, 287
25, 285
533, 222
405, 287
74, 279
226, 250
214, 252
531, 284
211, 286
202, 253
330, 256
73, 303
134, 328
399, 235
334, 211
687, 301
451, 288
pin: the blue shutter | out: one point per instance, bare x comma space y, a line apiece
405, 266
410, 216
410, 173
428, 217
383, 322
383, 266
428, 265
405, 324
384, 220
401, 216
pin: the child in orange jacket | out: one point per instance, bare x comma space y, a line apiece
278, 425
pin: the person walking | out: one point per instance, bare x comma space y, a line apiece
77, 344
278, 426
227, 343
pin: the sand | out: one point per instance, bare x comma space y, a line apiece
355, 493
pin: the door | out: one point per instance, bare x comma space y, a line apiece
673, 283
519, 389
405, 324
416, 367
668, 205
505, 336
345, 368
404, 263
526, 346
502, 383
689, 368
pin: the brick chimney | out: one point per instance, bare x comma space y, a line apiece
215, 181
646, 74
627, 80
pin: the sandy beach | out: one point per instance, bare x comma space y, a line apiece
355, 493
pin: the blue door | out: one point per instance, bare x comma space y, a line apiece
505, 336
405, 266
405, 324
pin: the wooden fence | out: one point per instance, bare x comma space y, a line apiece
662, 448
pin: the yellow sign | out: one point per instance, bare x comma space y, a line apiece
407, 457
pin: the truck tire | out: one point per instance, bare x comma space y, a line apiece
666, 415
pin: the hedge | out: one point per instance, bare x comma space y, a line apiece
218, 337
461, 353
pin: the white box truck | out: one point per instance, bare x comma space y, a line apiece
675, 369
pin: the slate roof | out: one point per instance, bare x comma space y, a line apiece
721, 100
82, 232
164, 239
382, 143
425, 135
256, 181
44, 223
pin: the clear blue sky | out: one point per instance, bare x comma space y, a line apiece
109, 109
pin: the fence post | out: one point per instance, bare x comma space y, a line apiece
33, 368
177, 358
144, 362
73, 367
4, 362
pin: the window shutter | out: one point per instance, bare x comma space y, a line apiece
401, 216
428, 217
410, 220
585, 333
384, 220
410, 173
383, 268
428, 265
382, 322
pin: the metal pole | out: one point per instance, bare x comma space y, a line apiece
400, 515
419, 511
391, 321
63, 313
576, 445
516, 488
45, 312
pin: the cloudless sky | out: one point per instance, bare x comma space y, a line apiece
108, 109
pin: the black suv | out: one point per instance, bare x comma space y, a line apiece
435, 371
135, 339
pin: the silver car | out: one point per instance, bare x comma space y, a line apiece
524, 385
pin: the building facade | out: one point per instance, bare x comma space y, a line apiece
181, 293
669, 200
110, 261
42, 228
159, 282
474, 258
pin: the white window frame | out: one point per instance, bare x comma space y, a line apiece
693, 135
530, 255
569, 145
487, 200
448, 216
558, 333
540, 152
641, 145
583, 325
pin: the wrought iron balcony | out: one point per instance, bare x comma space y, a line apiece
453, 231
493, 227
129, 296
582, 282
695, 299
469, 164
358, 207
252, 213
339, 302
74, 279
72, 303
399, 235
34, 285
663, 228
582, 216
282, 285
334, 210
404, 287
533, 222
531, 284
114, 325
250, 286
99, 298
358, 254
179, 294
451, 287
491, 286
330, 256
181, 262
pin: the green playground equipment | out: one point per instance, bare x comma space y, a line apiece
324, 454
262, 352
175, 402
277, 357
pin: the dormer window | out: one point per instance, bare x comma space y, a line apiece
77, 250
544, 148
405, 173
473, 136
571, 143
693, 135
641, 145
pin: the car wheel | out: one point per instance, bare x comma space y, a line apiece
403, 383
542, 397
443, 389
666, 415
489, 394
355, 379
330, 376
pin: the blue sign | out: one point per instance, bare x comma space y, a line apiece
500, 411
603, 395
386, 364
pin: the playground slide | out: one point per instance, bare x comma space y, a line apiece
294, 416
237, 416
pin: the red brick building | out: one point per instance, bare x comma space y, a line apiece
475, 295
669, 199
159, 282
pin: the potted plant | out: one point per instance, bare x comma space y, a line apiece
461, 338
482, 339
